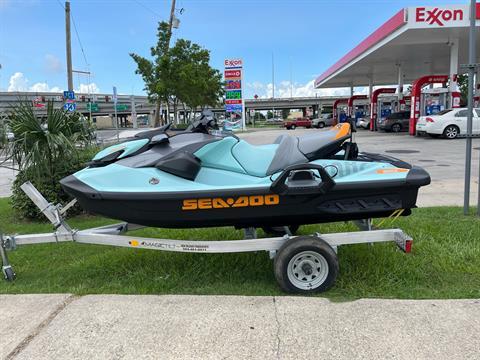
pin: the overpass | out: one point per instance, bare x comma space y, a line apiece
103, 103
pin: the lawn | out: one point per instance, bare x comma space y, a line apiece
444, 263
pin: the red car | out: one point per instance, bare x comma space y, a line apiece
292, 124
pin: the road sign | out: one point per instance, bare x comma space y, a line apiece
115, 94
92, 107
69, 95
70, 106
121, 107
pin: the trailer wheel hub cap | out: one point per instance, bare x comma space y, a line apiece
307, 270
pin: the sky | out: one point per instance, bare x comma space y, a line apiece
304, 37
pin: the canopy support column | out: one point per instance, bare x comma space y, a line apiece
370, 93
453, 87
401, 102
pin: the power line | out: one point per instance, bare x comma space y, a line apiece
79, 41
147, 8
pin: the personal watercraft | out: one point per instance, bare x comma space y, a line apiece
203, 177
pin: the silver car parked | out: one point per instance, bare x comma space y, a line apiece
322, 121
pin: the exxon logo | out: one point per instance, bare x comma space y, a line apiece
437, 16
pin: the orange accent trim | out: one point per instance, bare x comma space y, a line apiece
391, 171
342, 130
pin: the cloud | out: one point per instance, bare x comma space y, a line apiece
84, 88
286, 89
18, 82
43, 87
53, 64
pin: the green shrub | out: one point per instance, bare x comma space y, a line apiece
46, 148
49, 187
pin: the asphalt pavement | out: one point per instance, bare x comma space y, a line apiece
235, 327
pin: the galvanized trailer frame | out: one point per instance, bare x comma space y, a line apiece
115, 235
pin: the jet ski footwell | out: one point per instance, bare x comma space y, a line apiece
302, 264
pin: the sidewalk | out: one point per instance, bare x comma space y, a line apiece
219, 327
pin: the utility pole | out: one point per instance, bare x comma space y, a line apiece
167, 46
273, 88
471, 73
69, 45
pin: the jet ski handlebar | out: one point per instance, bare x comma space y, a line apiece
302, 181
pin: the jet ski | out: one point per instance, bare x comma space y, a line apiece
203, 177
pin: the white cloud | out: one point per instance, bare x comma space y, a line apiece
18, 82
53, 63
285, 89
91, 88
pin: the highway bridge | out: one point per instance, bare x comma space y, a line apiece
103, 105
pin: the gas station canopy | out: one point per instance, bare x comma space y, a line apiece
421, 40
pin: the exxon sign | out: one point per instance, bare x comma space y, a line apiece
438, 16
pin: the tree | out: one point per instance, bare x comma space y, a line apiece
462, 81
194, 82
285, 113
155, 73
180, 74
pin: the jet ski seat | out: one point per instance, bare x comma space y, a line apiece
264, 160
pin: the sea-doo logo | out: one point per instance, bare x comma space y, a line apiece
220, 203
437, 16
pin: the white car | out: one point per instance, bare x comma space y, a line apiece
448, 123
364, 122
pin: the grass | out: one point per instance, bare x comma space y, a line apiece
445, 262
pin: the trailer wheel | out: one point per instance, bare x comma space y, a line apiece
9, 274
293, 127
280, 230
305, 264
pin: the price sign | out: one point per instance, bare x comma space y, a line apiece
233, 84
233, 95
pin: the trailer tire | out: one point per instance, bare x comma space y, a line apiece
306, 265
293, 127
279, 230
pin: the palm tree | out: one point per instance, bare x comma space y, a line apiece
44, 143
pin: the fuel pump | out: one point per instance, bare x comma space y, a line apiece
434, 100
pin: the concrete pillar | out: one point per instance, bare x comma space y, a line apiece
134, 112
400, 101
370, 92
453, 88
476, 98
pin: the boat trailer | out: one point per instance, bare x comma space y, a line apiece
301, 263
